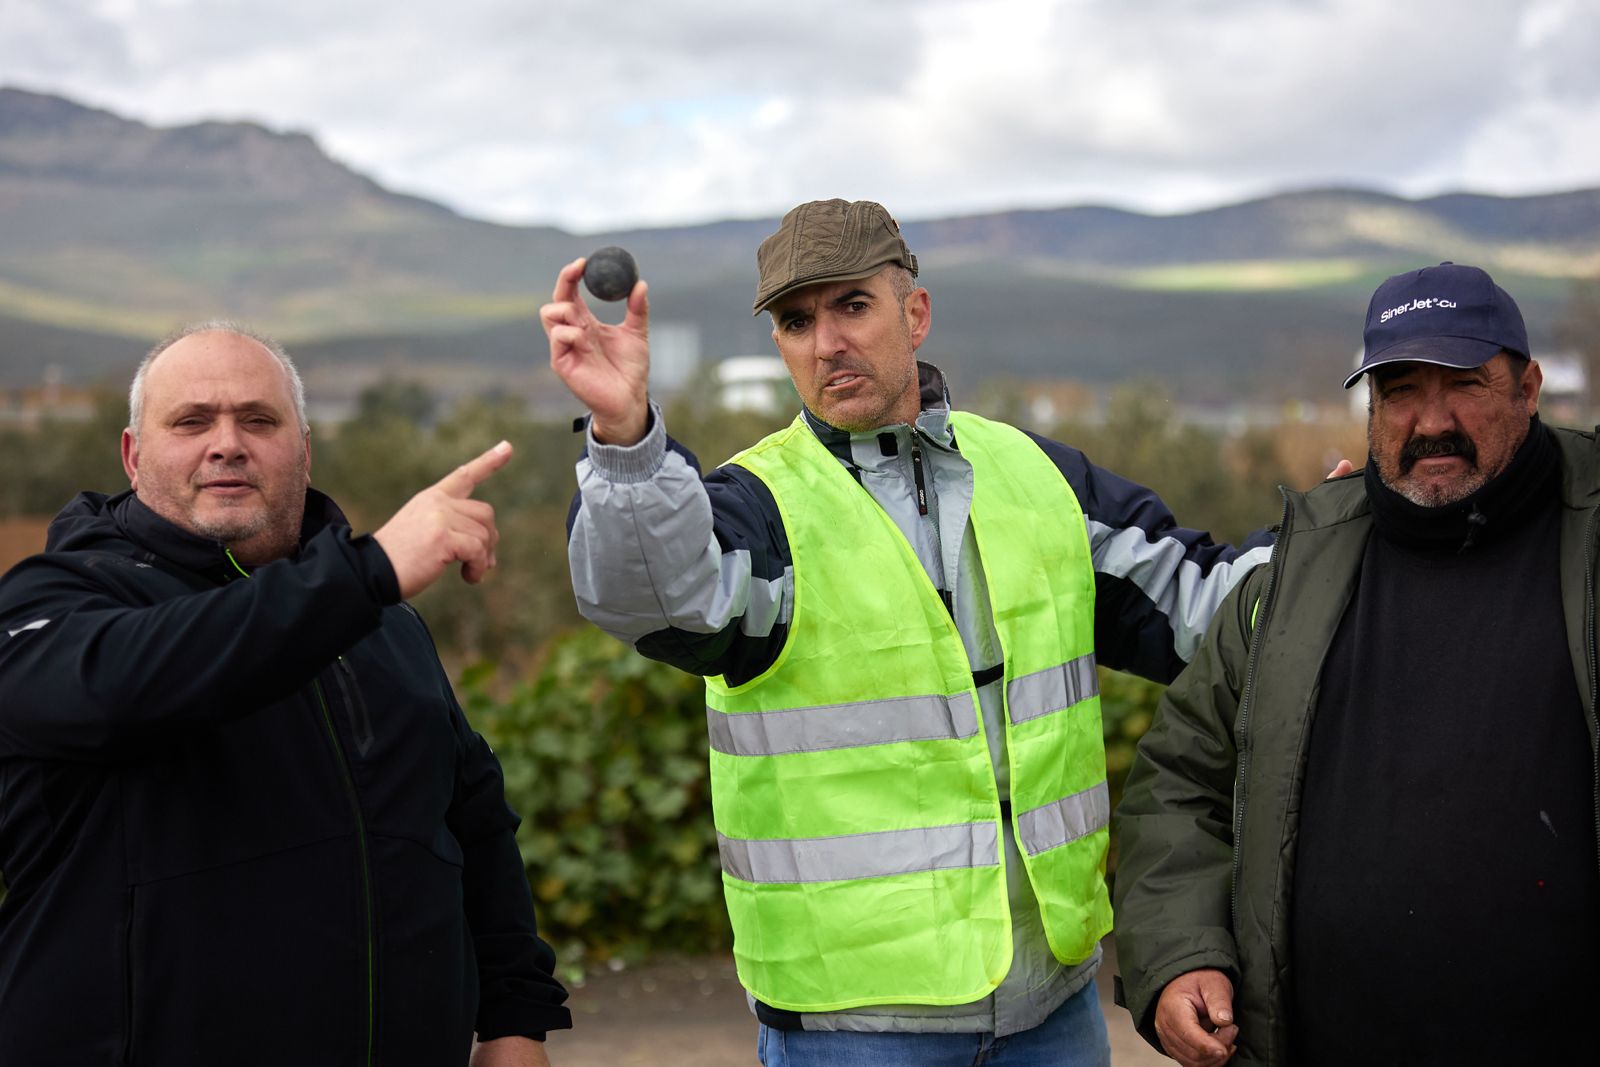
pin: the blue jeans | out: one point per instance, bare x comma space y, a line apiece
1073, 1036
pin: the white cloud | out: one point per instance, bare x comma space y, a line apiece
626, 112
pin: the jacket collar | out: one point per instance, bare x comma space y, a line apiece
1504, 503
868, 448
1343, 499
191, 551
1580, 467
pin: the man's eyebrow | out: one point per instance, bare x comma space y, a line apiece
845, 298
204, 407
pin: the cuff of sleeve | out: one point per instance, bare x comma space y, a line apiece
376, 568
631, 463
521, 1020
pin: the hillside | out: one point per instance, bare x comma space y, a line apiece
115, 231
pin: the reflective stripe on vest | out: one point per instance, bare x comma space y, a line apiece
870, 722
852, 786
879, 722
853, 856
1063, 821
1052, 689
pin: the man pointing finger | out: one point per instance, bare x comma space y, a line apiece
244, 818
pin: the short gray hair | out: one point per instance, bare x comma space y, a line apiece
901, 281
136, 390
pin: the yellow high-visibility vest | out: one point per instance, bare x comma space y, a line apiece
854, 796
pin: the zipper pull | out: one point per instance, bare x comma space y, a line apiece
916, 473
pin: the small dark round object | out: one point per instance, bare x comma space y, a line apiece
610, 273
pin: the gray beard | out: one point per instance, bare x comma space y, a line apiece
232, 534
1437, 498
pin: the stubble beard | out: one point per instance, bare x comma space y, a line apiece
1395, 474
264, 534
1437, 496
895, 398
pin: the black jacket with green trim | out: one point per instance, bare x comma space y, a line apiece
243, 820
1208, 820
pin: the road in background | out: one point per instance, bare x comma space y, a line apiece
693, 1010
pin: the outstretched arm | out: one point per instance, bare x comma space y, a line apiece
91, 668
1157, 584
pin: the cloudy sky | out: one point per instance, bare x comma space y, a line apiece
605, 113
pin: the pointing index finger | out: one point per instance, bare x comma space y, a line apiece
471, 474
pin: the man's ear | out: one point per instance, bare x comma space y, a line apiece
1532, 382
919, 315
130, 458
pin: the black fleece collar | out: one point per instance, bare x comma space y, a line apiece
1502, 504
202, 555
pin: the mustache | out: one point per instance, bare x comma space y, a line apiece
1446, 444
224, 475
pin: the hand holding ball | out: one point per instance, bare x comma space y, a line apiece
610, 273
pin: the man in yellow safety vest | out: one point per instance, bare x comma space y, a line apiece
898, 609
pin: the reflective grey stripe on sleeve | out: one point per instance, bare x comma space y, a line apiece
818, 729
1175, 584
1052, 689
1065, 820
766, 603
855, 856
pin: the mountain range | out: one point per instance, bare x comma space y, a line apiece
113, 231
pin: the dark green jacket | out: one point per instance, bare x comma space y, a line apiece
1209, 817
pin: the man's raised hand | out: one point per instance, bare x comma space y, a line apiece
443, 525
606, 367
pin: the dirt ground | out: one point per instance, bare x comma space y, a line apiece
693, 1010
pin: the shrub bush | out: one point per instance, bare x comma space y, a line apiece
605, 758
604, 755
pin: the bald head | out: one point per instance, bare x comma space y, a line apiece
136, 392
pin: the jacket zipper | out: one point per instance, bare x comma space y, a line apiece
1594, 672
361, 842
361, 826
928, 508
1242, 729
916, 475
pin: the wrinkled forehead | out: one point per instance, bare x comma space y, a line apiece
217, 368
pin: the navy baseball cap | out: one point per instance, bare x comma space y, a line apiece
1451, 315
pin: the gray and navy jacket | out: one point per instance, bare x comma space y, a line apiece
696, 572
